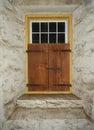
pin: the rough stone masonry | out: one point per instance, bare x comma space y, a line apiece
12, 49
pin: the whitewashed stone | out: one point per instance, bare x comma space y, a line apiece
12, 60
12, 43
93, 107
12, 49
49, 103
47, 113
49, 119
2, 118
83, 54
66, 124
44, 2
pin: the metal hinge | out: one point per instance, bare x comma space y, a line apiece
33, 85
67, 85
67, 50
30, 51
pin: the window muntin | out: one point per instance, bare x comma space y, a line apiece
49, 31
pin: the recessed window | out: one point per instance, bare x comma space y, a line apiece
48, 32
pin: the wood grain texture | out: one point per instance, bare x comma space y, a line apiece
47, 17
37, 63
58, 79
49, 67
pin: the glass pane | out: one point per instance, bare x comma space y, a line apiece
44, 27
44, 38
61, 27
35, 38
35, 27
52, 38
61, 38
52, 27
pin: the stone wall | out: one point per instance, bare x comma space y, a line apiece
83, 55
12, 55
12, 52
12, 45
45, 2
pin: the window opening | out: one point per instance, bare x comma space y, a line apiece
48, 32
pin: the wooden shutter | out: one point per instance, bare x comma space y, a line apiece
37, 64
59, 67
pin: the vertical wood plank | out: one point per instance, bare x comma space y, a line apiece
59, 57
37, 63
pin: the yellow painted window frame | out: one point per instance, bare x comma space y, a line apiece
48, 17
